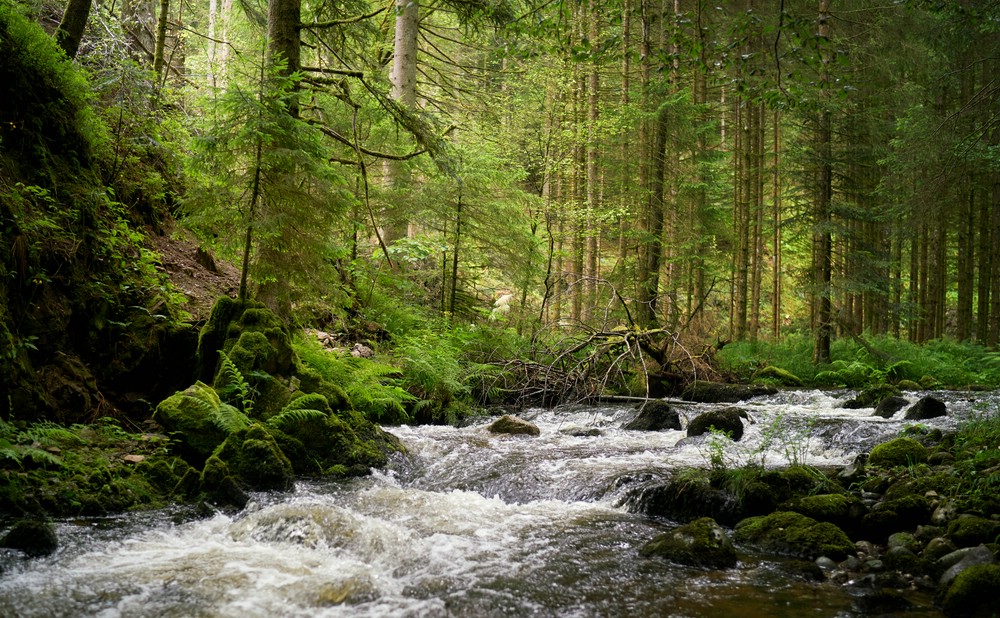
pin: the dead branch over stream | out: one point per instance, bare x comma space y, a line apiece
601, 363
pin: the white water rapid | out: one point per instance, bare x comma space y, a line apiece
468, 524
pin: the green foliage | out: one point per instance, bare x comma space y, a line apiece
232, 386
373, 388
261, 175
951, 363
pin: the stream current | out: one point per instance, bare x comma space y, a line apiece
468, 524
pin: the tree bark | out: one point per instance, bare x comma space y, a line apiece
70, 30
822, 240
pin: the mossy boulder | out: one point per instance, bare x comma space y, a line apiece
512, 425
192, 418
843, 510
793, 534
655, 416
253, 337
898, 452
926, 408
871, 396
969, 530
254, 459
779, 376
727, 420
322, 441
701, 543
974, 593
719, 392
889, 516
688, 497
33, 537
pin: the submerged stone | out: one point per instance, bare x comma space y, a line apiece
655, 416
701, 543
889, 406
719, 392
925, 408
727, 420
512, 425
33, 537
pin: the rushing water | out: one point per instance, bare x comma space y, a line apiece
469, 524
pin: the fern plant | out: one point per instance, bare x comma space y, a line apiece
235, 386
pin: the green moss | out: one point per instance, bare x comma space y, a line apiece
908, 385
968, 531
844, 510
974, 592
794, 534
253, 457
898, 452
778, 376
871, 396
191, 417
701, 542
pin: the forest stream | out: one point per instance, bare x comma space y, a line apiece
468, 524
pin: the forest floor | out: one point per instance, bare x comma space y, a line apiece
196, 273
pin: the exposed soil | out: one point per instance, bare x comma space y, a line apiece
195, 272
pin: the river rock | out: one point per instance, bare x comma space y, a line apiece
512, 425
969, 530
33, 537
889, 406
726, 420
701, 543
718, 392
843, 510
974, 593
970, 557
794, 534
655, 416
898, 452
925, 408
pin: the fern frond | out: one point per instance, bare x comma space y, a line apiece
292, 416
235, 383
229, 419
41, 457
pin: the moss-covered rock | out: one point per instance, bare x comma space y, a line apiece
778, 375
794, 534
974, 593
727, 420
898, 452
843, 510
33, 537
871, 396
908, 385
327, 442
969, 530
701, 543
254, 459
192, 418
899, 514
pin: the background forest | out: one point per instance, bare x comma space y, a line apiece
564, 183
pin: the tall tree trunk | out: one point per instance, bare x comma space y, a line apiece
161, 37
776, 232
593, 180
70, 30
822, 240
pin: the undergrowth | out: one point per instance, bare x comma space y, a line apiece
942, 362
